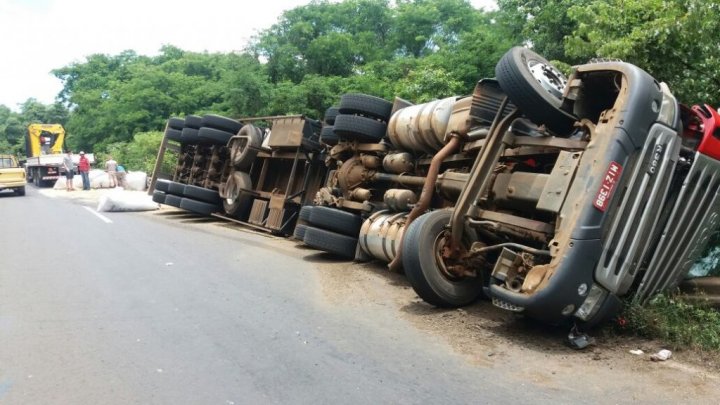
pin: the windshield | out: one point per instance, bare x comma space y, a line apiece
6, 162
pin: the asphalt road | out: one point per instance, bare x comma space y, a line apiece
153, 309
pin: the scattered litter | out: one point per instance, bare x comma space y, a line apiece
169, 263
304, 342
159, 370
662, 355
579, 340
637, 352
297, 332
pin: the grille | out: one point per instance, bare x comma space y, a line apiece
636, 220
695, 216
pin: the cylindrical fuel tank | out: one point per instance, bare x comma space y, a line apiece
380, 235
398, 163
421, 128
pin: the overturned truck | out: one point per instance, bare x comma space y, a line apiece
553, 197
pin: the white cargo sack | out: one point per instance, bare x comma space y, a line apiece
136, 181
122, 201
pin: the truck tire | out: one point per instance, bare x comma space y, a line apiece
336, 220
299, 232
177, 189
421, 263
331, 242
159, 196
305, 213
172, 200
193, 121
237, 203
162, 185
20, 191
202, 194
242, 150
215, 136
328, 135
176, 123
361, 129
367, 105
221, 123
330, 115
189, 136
198, 207
536, 87
173, 134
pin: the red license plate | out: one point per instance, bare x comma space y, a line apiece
602, 199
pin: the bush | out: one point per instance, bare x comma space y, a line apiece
139, 154
677, 322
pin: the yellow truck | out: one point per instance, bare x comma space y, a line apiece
12, 176
44, 149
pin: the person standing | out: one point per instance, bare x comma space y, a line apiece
84, 169
111, 169
69, 167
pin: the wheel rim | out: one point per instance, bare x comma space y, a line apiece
441, 242
549, 78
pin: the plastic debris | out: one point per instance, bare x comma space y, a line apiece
662, 355
169, 263
579, 340
637, 352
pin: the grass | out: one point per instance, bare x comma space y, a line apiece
678, 323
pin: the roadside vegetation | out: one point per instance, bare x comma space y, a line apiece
677, 322
415, 49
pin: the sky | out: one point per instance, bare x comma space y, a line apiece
37, 36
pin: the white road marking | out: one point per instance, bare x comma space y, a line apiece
101, 216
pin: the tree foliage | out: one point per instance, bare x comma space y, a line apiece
415, 49
674, 40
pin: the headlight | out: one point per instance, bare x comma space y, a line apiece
668, 107
592, 303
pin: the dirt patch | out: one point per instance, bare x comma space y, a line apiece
487, 336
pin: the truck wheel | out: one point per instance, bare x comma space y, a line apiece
162, 185
173, 134
216, 136
330, 115
202, 194
237, 202
424, 266
159, 196
177, 189
198, 207
331, 242
299, 232
242, 150
221, 123
193, 121
20, 191
189, 136
305, 213
173, 200
361, 129
536, 87
328, 136
364, 104
176, 123
336, 220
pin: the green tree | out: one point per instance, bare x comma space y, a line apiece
674, 40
